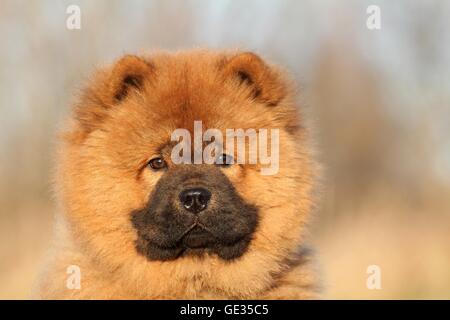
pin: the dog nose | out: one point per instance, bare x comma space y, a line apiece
195, 199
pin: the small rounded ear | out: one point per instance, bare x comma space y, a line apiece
265, 82
128, 73
107, 88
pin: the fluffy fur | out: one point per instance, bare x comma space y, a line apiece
122, 118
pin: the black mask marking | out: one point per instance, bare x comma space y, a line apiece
167, 230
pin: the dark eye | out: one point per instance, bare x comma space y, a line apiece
157, 163
224, 160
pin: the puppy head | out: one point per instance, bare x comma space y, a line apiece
134, 209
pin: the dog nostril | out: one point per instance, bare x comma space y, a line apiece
195, 199
188, 202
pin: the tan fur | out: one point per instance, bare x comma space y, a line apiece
101, 178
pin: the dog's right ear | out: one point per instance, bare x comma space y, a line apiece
109, 88
128, 74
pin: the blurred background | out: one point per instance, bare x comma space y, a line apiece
379, 102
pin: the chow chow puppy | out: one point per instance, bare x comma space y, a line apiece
137, 225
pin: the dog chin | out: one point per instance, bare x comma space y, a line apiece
197, 242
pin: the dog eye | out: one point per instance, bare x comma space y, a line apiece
224, 160
157, 163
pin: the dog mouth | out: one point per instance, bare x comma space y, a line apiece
197, 237
196, 240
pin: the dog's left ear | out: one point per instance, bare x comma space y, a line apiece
265, 82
